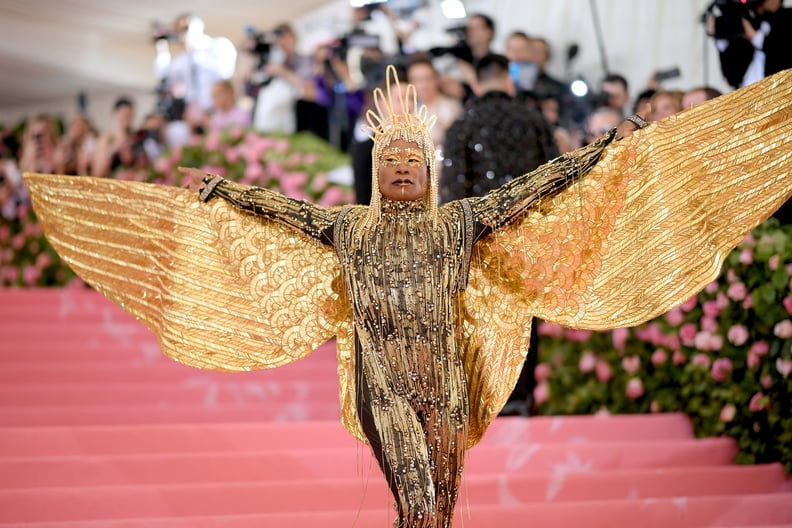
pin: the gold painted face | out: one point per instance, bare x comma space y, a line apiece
403, 171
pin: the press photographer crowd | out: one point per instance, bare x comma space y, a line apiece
327, 93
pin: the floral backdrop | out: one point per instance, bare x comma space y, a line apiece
724, 357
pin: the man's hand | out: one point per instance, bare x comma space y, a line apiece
748, 30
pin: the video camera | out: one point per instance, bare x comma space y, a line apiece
160, 31
729, 15
260, 43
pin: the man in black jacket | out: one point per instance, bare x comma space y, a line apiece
495, 140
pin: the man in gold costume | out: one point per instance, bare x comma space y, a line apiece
429, 303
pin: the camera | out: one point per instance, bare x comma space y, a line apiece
729, 15
159, 31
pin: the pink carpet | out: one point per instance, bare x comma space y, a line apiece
98, 429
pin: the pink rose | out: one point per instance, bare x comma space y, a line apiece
679, 358
728, 412
550, 330
746, 257
319, 182
766, 381
604, 372
783, 329
654, 407
541, 393
702, 360
22, 211
603, 411
18, 242
721, 369
654, 334
659, 356
11, 275
731, 276
748, 241
748, 302
542, 372
759, 402
784, 367
253, 172
282, 146
5, 233
578, 336
634, 389
722, 300
737, 335
737, 291
631, 364
675, 317
709, 324
711, 309
707, 341
760, 348
712, 287
787, 302
231, 155
773, 262
212, 140
789, 270
30, 274
688, 334
43, 260
671, 342
753, 360
335, 196
587, 361
619, 336
690, 304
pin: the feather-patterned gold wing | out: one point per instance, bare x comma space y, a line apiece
652, 222
221, 289
644, 230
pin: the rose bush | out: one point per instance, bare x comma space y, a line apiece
724, 357
301, 166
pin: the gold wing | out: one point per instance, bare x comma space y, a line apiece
647, 228
221, 289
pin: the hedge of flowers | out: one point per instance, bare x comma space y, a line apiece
299, 166
724, 357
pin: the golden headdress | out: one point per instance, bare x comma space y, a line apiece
398, 116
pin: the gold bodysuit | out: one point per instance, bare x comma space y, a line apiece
430, 315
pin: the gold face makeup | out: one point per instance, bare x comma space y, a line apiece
395, 156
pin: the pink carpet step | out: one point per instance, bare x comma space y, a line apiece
682, 512
564, 482
302, 463
165, 370
171, 413
207, 392
252, 436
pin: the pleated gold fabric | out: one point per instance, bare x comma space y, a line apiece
647, 228
221, 289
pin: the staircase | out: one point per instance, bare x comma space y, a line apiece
98, 429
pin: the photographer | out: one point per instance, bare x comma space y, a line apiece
204, 61
38, 146
753, 37
281, 78
121, 147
